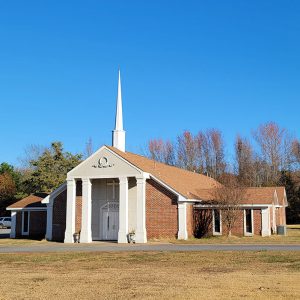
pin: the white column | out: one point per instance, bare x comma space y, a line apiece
13, 224
265, 222
123, 210
182, 220
86, 219
71, 208
274, 225
141, 234
49, 220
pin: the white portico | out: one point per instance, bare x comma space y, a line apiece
113, 193
113, 199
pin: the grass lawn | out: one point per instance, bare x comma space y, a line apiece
292, 237
151, 275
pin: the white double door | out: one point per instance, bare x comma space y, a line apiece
110, 225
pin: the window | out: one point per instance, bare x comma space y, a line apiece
248, 220
25, 222
217, 221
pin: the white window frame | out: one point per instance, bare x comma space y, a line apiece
28, 223
213, 215
252, 223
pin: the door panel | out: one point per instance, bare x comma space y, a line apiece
110, 225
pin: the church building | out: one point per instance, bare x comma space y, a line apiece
114, 192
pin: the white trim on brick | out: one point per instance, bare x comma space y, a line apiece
28, 223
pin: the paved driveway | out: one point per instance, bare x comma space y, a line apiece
4, 233
113, 247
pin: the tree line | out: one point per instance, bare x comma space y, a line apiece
43, 169
271, 157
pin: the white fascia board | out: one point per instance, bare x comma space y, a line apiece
275, 197
285, 199
69, 175
241, 205
55, 193
27, 208
194, 200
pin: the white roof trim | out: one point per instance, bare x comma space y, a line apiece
241, 205
55, 193
26, 208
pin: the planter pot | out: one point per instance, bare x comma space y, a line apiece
76, 237
131, 237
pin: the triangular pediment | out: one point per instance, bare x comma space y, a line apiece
104, 163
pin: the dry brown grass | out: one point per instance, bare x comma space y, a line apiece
150, 275
292, 237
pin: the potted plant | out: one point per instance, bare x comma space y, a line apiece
131, 236
76, 237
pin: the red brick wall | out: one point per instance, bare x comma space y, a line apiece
238, 229
59, 213
37, 225
282, 211
161, 211
280, 216
78, 212
19, 225
257, 221
202, 222
59, 217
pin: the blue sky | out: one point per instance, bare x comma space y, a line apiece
190, 65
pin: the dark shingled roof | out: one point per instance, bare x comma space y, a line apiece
33, 200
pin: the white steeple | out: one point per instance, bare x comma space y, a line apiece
118, 136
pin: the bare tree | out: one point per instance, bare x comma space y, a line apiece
213, 152
245, 161
202, 221
161, 151
187, 149
296, 151
275, 145
229, 197
31, 152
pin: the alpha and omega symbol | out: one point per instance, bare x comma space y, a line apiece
103, 163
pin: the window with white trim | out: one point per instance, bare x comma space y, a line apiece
248, 221
25, 222
217, 222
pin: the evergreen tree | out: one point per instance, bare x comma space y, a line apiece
51, 168
293, 196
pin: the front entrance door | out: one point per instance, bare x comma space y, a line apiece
110, 225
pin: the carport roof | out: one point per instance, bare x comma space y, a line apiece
31, 201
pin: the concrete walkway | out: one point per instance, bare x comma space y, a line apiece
113, 247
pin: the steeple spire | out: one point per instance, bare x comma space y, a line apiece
118, 136
119, 112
